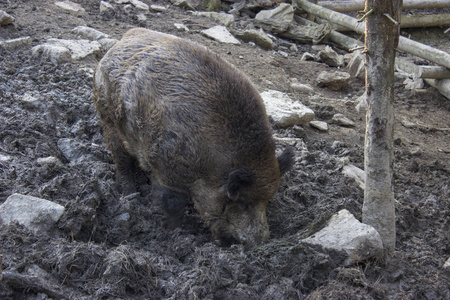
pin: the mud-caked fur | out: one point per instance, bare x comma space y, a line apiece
196, 126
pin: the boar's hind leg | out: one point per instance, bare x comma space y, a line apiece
127, 167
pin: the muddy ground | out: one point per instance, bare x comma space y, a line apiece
96, 252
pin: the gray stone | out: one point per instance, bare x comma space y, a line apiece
447, 264
79, 49
5, 18
335, 81
356, 65
52, 53
356, 173
283, 12
141, 18
221, 34
89, 33
302, 88
284, 111
106, 7
158, 8
341, 120
320, 125
307, 57
345, 232
331, 57
5, 158
139, 4
181, 27
361, 105
107, 43
48, 161
222, 18
36, 214
74, 151
71, 7
413, 84
16, 43
259, 37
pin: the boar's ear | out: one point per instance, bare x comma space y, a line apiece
237, 179
286, 160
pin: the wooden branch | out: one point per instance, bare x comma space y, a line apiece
432, 72
356, 5
443, 86
418, 49
414, 21
304, 34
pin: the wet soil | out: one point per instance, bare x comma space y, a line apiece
111, 247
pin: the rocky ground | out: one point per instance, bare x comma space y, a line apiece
106, 246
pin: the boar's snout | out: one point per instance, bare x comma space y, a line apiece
247, 226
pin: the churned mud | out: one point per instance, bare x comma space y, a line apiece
111, 247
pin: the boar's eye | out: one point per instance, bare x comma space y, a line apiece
238, 178
286, 160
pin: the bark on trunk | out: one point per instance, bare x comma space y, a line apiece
381, 38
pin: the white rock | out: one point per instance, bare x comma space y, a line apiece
16, 43
307, 56
344, 232
139, 4
223, 18
303, 88
181, 27
342, 120
71, 7
158, 8
49, 161
89, 33
447, 264
284, 12
34, 213
5, 18
284, 111
141, 18
221, 34
52, 53
322, 126
106, 6
259, 37
79, 49
356, 173
413, 84
5, 158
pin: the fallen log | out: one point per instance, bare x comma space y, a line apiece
341, 40
355, 5
432, 72
418, 49
414, 21
303, 34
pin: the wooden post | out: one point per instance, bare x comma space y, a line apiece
381, 40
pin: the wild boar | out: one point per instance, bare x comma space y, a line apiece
196, 125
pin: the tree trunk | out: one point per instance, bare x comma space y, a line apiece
381, 39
